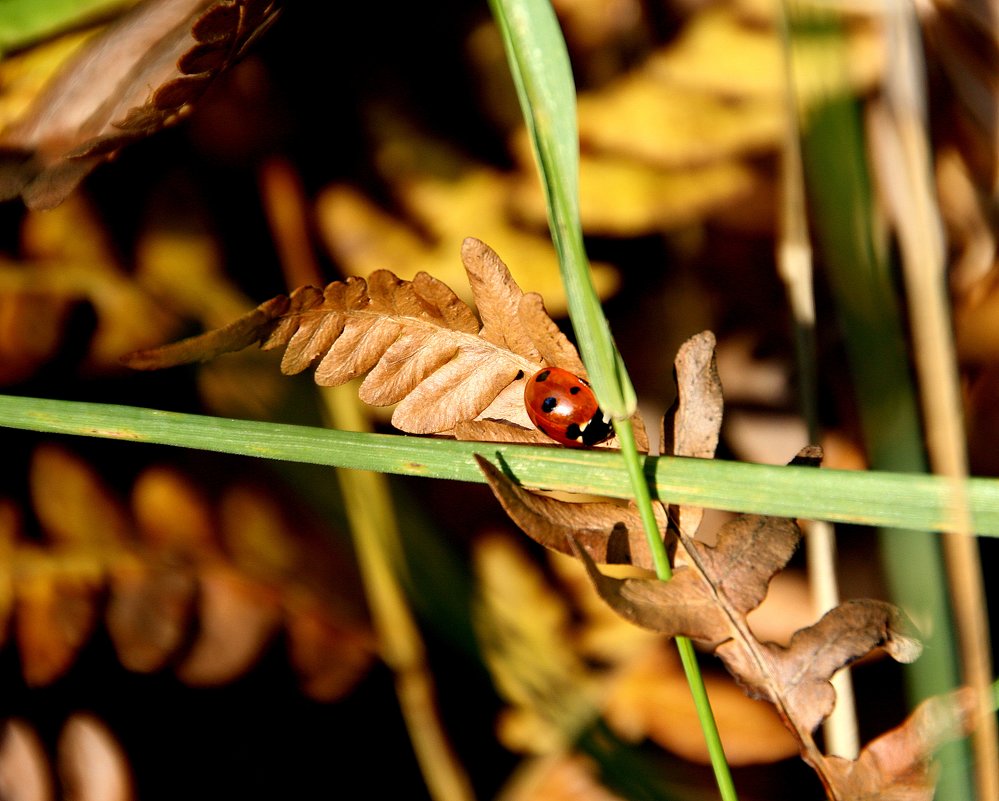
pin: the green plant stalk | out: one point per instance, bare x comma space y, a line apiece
723, 776
906, 500
796, 268
867, 308
377, 543
539, 65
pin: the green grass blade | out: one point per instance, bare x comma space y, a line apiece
25, 21
855, 253
542, 75
913, 501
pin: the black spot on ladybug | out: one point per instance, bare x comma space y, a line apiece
542, 376
549, 403
574, 390
520, 375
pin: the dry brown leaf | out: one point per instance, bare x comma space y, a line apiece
444, 196
422, 347
609, 532
692, 426
237, 618
129, 81
708, 601
92, 764
179, 592
897, 766
710, 596
149, 611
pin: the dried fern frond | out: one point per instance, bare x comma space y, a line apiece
420, 345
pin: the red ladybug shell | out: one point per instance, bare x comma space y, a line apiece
562, 405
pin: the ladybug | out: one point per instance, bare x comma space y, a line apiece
562, 405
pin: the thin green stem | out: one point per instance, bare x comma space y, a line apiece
643, 500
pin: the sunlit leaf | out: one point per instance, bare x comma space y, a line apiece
24, 767
421, 346
135, 77
92, 764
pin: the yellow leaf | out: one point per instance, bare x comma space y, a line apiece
649, 697
620, 196
523, 627
447, 198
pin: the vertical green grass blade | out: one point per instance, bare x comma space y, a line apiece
25, 21
542, 75
857, 268
543, 78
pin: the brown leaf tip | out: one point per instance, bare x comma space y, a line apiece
809, 456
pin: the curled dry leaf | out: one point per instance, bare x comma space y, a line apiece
421, 346
692, 426
139, 75
709, 597
609, 532
708, 601
897, 765
750, 550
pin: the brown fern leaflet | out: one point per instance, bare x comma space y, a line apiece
420, 345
